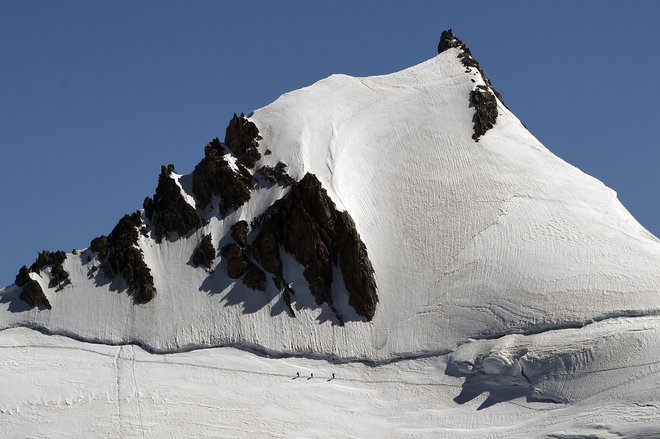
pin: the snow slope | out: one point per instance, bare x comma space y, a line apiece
468, 240
57, 387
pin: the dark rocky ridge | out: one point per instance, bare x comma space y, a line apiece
100, 245
239, 259
214, 176
33, 295
309, 227
448, 40
484, 97
168, 211
276, 175
31, 291
305, 223
22, 277
123, 257
355, 267
59, 278
204, 254
485, 106
239, 232
241, 138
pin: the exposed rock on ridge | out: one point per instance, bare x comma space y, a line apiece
31, 293
483, 98
168, 211
204, 254
124, 257
276, 175
214, 176
239, 263
241, 137
307, 224
485, 106
59, 278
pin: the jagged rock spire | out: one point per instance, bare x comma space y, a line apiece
448, 40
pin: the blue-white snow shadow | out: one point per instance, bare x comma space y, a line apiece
500, 388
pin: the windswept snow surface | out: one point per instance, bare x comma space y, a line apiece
496, 263
56, 387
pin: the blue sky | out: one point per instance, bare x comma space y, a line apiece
96, 96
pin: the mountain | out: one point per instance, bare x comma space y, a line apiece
407, 220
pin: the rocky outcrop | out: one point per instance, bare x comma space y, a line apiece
254, 277
100, 245
448, 40
276, 175
33, 295
237, 263
31, 292
124, 258
214, 176
239, 257
239, 232
168, 211
22, 277
59, 278
305, 223
204, 254
356, 268
309, 227
241, 138
485, 106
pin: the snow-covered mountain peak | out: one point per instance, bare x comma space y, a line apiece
364, 218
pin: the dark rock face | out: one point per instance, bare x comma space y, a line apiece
240, 259
204, 253
239, 232
307, 224
237, 263
276, 175
448, 40
47, 258
241, 138
33, 295
485, 106
214, 176
100, 245
59, 278
254, 277
169, 211
124, 258
355, 267
22, 277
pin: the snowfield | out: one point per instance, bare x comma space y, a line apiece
517, 296
56, 387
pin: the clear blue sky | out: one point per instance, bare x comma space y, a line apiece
95, 96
